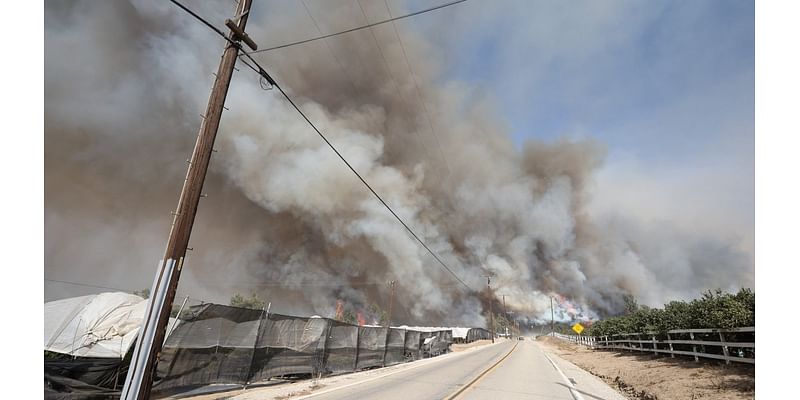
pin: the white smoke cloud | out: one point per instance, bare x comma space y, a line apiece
285, 211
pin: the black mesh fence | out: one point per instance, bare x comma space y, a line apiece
215, 344
371, 346
442, 342
426, 343
413, 345
395, 347
340, 348
289, 346
474, 334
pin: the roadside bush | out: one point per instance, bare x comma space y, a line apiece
714, 309
722, 310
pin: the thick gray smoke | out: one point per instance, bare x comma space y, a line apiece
125, 82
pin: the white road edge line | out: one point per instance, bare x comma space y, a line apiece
572, 390
308, 396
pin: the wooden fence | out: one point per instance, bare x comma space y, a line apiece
731, 345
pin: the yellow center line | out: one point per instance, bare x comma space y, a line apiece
460, 391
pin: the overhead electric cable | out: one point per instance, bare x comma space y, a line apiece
328, 45
276, 284
421, 242
419, 92
263, 73
86, 285
358, 28
208, 24
89, 285
392, 77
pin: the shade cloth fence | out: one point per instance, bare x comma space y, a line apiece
216, 344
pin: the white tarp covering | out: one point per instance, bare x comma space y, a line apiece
460, 333
100, 325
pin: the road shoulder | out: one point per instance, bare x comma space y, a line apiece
646, 376
584, 384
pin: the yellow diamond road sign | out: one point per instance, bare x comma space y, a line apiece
578, 328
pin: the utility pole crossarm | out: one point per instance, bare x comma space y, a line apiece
139, 380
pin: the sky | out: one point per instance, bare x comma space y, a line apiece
667, 86
613, 70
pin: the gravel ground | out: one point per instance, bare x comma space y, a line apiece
650, 377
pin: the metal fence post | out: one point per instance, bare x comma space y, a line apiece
386, 345
324, 351
358, 337
255, 346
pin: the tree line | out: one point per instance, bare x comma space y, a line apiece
714, 309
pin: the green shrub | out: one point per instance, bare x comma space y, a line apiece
715, 309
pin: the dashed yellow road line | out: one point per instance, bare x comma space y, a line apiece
461, 391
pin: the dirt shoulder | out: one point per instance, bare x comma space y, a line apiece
644, 376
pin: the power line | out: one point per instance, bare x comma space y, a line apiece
237, 284
436, 257
208, 24
263, 73
328, 45
287, 285
283, 284
358, 28
391, 76
419, 93
87, 285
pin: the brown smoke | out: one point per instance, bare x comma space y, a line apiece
125, 83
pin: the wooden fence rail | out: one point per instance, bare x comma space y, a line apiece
731, 345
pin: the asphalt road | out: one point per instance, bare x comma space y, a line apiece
526, 373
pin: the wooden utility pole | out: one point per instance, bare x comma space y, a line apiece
391, 303
505, 312
491, 311
151, 335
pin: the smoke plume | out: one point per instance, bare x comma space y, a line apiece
125, 82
